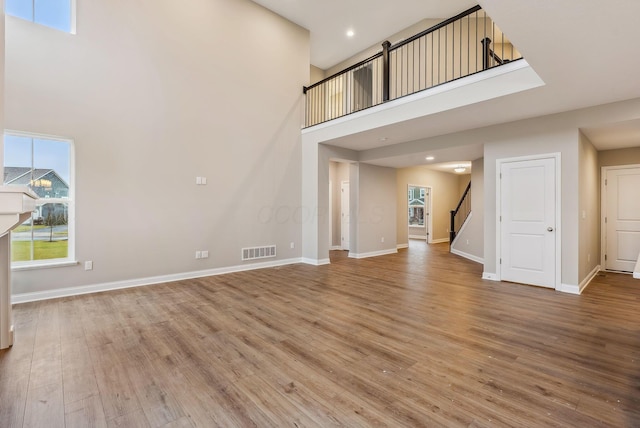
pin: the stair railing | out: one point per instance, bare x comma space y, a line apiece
460, 214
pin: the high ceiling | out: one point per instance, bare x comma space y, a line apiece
585, 51
371, 21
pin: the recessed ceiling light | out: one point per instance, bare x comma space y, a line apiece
350, 33
429, 158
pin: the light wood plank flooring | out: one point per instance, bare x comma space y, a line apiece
413, 339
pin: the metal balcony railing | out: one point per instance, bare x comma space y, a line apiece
465, 44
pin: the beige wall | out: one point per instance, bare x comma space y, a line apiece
373, 202
463, 182
316, 75
589, 202
629, 156
153, 96
444, 198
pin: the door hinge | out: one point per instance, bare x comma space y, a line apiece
605, 257
606, 181
605, 219
500, 261
500, 218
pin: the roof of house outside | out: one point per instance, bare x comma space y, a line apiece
21, 176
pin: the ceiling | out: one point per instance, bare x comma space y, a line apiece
371, 21
583, 50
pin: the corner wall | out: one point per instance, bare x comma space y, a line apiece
373, 203
589, 215
153, 95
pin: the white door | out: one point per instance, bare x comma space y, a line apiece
622, 187
344, 215
528, 217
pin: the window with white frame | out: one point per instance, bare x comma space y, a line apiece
58, 14
44, 164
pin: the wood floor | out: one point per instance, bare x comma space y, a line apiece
413, 339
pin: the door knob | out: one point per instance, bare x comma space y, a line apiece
549, 229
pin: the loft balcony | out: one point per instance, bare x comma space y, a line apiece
464, 45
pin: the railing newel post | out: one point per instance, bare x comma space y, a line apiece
385, 71
486, 52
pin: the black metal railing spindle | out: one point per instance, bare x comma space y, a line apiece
427, 59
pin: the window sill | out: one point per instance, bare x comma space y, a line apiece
416, 226
44, 265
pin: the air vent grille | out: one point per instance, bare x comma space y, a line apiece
254, 253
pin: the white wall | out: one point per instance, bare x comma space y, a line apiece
154, 94
373, 200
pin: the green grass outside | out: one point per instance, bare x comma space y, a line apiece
42, 250
27, 228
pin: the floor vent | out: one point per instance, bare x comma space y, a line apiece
258, 252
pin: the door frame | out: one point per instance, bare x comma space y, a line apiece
603, 209
427, 212
558, 220
342, 210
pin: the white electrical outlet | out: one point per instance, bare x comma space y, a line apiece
382, 239
198, 254
198, 180
205, 254
204, 180
88, 265
293, 245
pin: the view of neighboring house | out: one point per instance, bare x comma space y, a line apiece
46, 183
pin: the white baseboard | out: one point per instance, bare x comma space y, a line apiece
423, 237
569, 288
400, 246
439, 241
139, 282
585, 282
335, 247
490, 276
636, 270
373, 254
467, 256
315, 262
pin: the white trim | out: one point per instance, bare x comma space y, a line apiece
467, 256
558, 226
490, 276
603, 209
421, 237
373, 254
438, 241
569, 288
315, 262
636, 270
401, 246
34, 266
335, 247
446, 87
585, 282
117, 285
